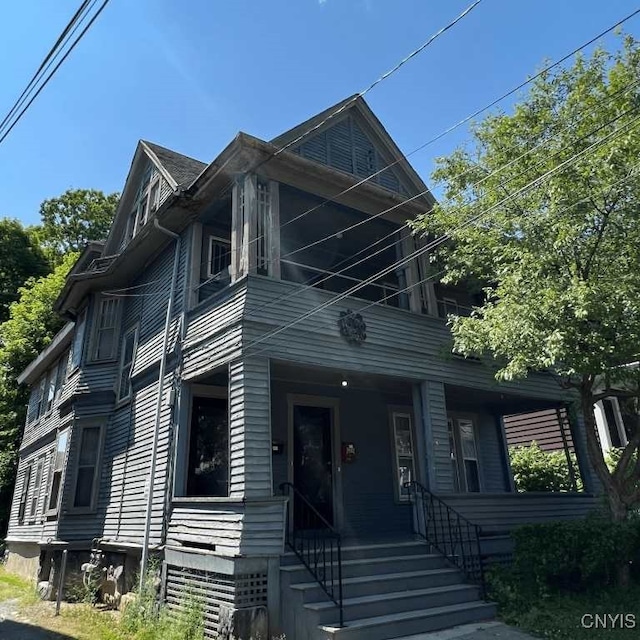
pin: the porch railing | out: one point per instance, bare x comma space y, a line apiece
316, 543
448, 531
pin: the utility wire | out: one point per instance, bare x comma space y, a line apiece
445, 237
52, 53
382, 78
460, 122
313, 282
18, 117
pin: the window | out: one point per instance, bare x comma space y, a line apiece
78, 339
129, 345
87, 467
403, 446
146, 203
61, 373
105, 336
218, 257
35, 492
464, 455
42, 387
24, 494
208, 466
32, 409
57, 468
50, 389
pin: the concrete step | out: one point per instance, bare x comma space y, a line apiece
407, 623
294, 574
382, 583
377, 550
391, 603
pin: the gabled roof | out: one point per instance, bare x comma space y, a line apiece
183, 169
357, 107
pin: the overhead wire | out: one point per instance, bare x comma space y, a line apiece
46, 81
464, 120
445, 237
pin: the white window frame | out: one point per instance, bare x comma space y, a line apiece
42, 388
145, 206
101, 302
135, 330
79, 429
58, 465
458, 455
219, 241
402, 459
603, 425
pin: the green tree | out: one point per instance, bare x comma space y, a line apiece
544, 208
30, 328
537, 470
20, 258
76, 217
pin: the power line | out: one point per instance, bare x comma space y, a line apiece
445, 237
312, 282
457, 124
382, 78
18, 117
51, 55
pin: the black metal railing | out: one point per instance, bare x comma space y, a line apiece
448, 531
316, 543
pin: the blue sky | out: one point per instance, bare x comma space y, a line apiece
190, 74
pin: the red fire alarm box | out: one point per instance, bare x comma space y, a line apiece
348, 452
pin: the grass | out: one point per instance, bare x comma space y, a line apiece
560, 617
84, 622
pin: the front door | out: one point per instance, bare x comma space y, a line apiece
313, 464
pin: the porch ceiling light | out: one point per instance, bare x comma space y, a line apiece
345, 382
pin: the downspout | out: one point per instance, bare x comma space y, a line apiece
156, 431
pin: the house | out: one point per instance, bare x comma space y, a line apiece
257, 361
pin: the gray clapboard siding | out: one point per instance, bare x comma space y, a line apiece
491, 454
436, 409
399, 343
31, 529
503, 512
249, 432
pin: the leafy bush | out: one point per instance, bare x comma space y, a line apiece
538, 470
570, 556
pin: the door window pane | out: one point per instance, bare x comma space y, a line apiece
403, 440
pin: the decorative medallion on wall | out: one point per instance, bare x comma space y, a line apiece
352, 327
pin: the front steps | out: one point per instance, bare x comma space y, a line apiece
389, 591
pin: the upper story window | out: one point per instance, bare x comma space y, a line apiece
105, 335
218, 257
146, 202
78, 340
129, 344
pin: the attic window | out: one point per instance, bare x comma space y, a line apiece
146, 202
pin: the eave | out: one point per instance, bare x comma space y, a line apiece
45, 358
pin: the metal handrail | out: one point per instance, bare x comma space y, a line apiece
319, 548
448, 531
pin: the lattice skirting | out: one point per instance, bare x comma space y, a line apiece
214, 590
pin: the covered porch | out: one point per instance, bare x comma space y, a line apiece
350, 442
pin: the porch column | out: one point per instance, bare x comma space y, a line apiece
249, 429
435, 434
576, 423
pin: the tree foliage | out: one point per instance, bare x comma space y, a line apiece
20, 258
544, 208
30, 328
76, 217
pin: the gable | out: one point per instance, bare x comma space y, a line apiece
154, 174
354, 141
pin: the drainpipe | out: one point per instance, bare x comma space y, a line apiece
156, 431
